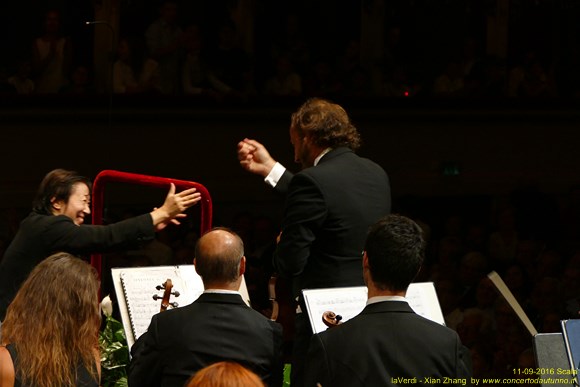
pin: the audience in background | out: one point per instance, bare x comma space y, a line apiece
406, 61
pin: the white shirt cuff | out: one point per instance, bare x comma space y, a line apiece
275, 174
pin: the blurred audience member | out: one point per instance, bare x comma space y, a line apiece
321, 80
165, 43
518, 282
230, 69
21, 80
194, 77
285, 82
450, 82
472, 268
80, 81
449, 294
503, 241
51, 56
134, 71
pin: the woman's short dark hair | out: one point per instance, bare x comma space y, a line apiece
57, 185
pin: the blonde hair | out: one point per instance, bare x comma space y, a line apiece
54, 322
225, 374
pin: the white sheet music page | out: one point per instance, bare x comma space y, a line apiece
346, 302
140, 287
135, 287
350, 301
423, 300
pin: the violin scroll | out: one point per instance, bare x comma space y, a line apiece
167, 286
331, 319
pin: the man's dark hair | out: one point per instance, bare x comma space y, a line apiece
326, 124
57, 185
219, 264
395, 250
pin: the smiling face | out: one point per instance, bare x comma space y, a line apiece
77, 206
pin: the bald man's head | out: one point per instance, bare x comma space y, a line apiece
218, 257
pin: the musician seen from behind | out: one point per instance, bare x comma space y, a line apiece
330, 204
388, 344
50, 334
218, 326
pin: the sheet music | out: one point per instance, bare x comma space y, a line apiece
139, 288
346, 302
350, 301
137, 294
423, 300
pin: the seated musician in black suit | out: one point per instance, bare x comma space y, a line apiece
218, 326
388, 344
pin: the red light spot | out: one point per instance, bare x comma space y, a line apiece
406, 93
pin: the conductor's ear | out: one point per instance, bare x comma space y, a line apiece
195, 265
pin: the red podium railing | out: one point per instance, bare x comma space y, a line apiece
107, 176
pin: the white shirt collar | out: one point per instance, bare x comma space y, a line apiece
316, 160
222, 291
374, 300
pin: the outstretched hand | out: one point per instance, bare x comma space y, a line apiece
254, 157
174, 206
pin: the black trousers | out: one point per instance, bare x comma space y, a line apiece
303, 334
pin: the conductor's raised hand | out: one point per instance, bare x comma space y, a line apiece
174, 206
254, 157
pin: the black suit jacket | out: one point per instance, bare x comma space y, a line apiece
387, 340
42, 235
329, 209
215, 327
